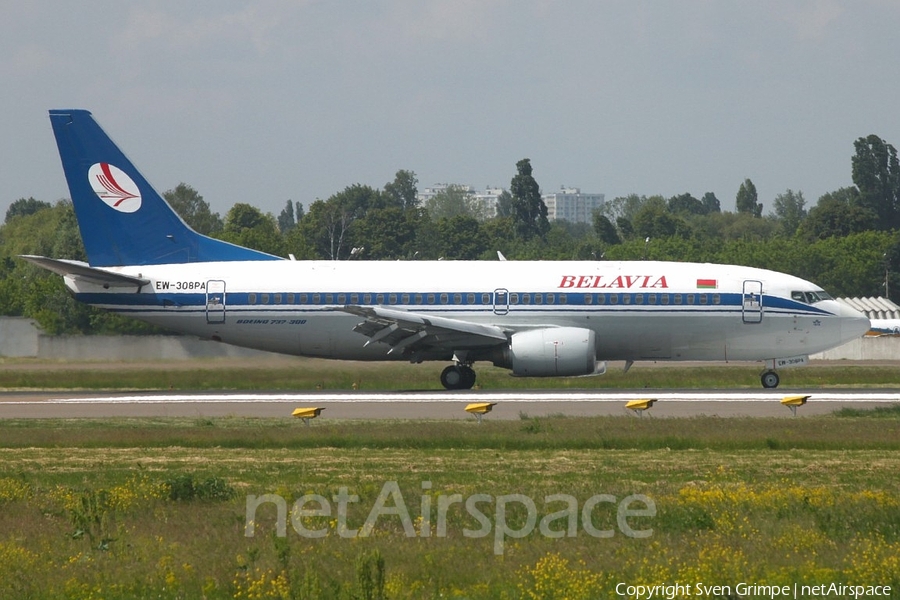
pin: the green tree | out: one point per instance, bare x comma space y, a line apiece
605, 230
711, 204
837, 213
654, 220
747, 201
529, 212
790, 210
686, 205
876, 173
247, 226
327, 226
459, 238
286, 218
455, 200
403, 191
504, 204
24, 207
193, 209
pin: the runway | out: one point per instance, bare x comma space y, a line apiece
435, 404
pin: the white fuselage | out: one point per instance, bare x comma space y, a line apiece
638, 310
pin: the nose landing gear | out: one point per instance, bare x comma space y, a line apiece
458, 377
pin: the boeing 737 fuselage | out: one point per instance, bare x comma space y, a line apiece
539, 319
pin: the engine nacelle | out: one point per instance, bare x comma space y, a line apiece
553, 352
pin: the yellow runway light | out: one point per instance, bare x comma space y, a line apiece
307, 413
479, 409
639, 406
792, 402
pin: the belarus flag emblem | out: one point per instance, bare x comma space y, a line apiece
707, 284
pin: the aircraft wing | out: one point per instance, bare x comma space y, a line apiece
80, 271
409, 331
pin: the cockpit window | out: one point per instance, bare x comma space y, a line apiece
810, 297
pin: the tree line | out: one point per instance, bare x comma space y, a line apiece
849, 242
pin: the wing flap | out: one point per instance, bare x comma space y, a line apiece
80, 271
408, 331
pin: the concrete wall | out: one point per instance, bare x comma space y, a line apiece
885, 347
20, 337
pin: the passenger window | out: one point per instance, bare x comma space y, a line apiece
677, 298
304, 298
563, 298
690, 298
704, 298
717, 299
251, 298
379, 298
601, 298
470, 298
588, 299
551, 298
526, 298
613, 298
638, 298
651, 298
457, 298
367, 299
513, 298
393, 298
418, 298
430, 298
626, 298
329, 298
444, 298
485, 298
317, 298
342, 298
538, 298
664, 299
405, 299
265, 298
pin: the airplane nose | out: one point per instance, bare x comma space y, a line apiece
854, 324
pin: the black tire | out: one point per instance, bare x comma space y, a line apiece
456, 377
468, 378
451, 377
770, 380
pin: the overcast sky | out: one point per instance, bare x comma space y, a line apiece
261, 102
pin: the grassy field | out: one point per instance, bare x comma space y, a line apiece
560, 507
159, 508
309, 374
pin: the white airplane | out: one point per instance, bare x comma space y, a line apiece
537, 318
884, 327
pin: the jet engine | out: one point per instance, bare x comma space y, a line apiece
552, 352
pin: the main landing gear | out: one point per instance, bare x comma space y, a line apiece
770, 379
458, 377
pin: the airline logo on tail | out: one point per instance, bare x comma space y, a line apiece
114, 187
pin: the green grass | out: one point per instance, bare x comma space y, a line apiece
856, 431
309, 374
124, 508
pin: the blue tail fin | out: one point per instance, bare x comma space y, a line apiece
123, 220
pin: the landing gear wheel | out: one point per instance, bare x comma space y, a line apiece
770, 379
458, 377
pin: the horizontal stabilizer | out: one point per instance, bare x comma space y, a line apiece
80, 271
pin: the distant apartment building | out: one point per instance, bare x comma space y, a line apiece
487, 199
569, 204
